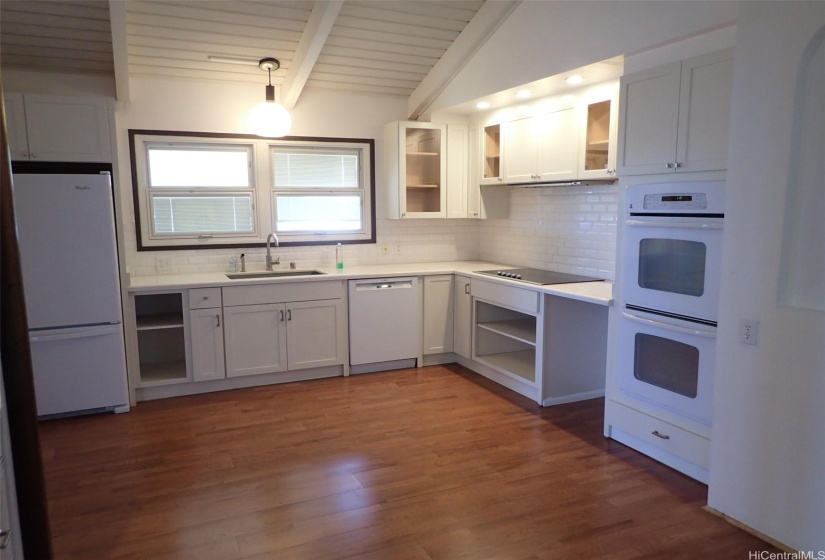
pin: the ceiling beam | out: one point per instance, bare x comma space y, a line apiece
315, 34
120, 49
469, 41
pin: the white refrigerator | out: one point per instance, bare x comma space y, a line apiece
68, 253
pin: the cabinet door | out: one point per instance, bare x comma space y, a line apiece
558, 155
704, 112
462, 317
491, 160
16, 126
315, 336
206, 332
422, 170
255, 338
457, 170
521, 141
648, 116
597, 144
438, 314
67, 128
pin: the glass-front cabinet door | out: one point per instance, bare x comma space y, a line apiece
416, 169
598, 151
491, 155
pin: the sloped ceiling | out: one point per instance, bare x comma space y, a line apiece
376, 46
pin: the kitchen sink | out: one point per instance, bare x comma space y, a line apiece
273, 274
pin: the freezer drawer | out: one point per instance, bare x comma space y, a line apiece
79, 369
384, 320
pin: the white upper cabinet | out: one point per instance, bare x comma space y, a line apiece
56, 128
492, 157
599, 125
416, 169
542, 148
458, 170
675, 118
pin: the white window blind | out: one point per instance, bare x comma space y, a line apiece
318, 191
200, 190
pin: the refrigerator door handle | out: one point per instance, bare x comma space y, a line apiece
73, 334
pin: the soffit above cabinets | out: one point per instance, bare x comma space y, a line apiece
385, 47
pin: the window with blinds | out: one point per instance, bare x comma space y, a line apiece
200, 190
317, 191
196, 190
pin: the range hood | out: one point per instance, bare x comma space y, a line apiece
576, 183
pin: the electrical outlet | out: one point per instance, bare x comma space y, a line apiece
162, 264
748, 331
398, 248
385, 250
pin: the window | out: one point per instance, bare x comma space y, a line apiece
197, 191
317, 191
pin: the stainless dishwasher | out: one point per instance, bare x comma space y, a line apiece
384, 323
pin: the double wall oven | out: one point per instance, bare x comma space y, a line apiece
671, 258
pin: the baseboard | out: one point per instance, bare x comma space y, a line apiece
587, 395
382, 366
750, 530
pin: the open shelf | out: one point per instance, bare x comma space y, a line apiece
520, 364
159, 321
523, 329
161, 373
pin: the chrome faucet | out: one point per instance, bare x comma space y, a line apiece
269, 261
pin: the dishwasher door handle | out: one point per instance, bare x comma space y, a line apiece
383, 286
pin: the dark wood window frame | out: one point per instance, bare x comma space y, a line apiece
300, 140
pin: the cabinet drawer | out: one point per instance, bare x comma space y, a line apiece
204, 298
280, 293
515, 298
664, 435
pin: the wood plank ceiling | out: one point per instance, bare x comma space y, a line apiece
376, 46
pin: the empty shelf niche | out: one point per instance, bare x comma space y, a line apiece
506, 340
161, 341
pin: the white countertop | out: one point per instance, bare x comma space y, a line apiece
594, 292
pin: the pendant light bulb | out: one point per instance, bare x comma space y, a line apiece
270, 119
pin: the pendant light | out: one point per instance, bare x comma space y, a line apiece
270, 119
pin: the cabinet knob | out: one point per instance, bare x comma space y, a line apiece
24, 154
475, 213
34, 156
403, 214
678, 164
669, 165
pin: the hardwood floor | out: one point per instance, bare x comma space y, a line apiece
431, 463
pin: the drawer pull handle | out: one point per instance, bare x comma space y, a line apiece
660, 435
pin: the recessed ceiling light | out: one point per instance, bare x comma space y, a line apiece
482, 105
523, 94
574, 79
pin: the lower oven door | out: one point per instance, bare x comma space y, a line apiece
668, 363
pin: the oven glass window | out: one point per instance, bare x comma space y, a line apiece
666, 363
672, 265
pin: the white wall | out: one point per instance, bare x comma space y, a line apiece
159, 104
542, 39
768, 449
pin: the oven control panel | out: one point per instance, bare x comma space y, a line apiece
671, 202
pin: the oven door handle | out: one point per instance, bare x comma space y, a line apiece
667, 326
680, 224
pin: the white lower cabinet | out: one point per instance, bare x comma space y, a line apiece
206, 334
206, 331
438, 314
265, 332
313, 335
462, 316
255, 339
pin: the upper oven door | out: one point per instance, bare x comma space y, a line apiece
673, 264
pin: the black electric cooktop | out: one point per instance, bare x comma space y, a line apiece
536, 276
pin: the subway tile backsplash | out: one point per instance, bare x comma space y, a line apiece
568, 229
